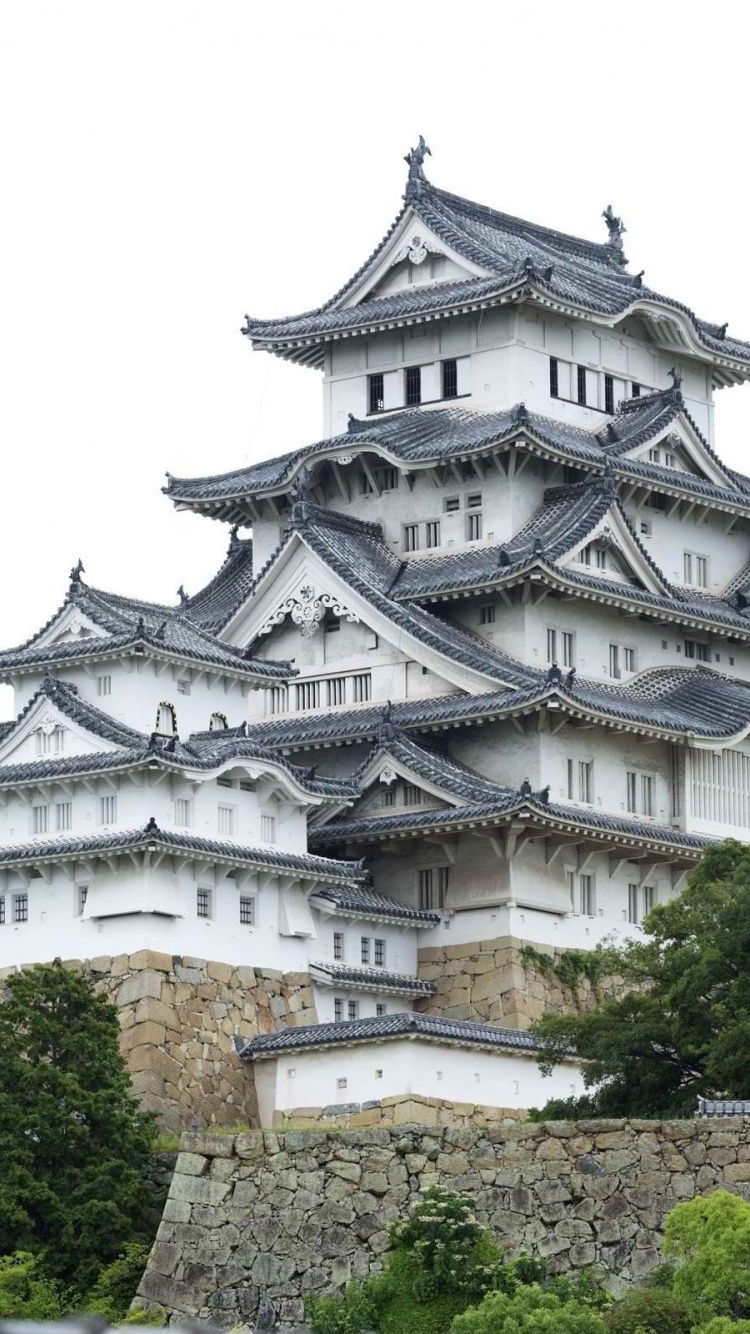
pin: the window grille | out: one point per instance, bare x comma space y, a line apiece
450, 378
586, 895
277, 699
107, 810
182, 812
413, 386
376, 401
83, 893
609, 394
635, 390
451, 504
554, 382
203, 902
649, 898
580, 781
362, 687
20, 907
581, 385
247, 911
633, 904
380, 1010
473, 527
307, 695
2, 910
338, 1010
379, 957
487, 614
336, 690
64, 814
352, 1010
365, 949
412, 795
388, 798
568, 656
104, 685
338, 945
387, 479
432, 533
268, 828
432, 886
39, 819
226, 820
411, 537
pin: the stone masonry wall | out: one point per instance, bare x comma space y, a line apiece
401, 1109
488, 980
178, 1016
275, 1216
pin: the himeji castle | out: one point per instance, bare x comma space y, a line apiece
474, 675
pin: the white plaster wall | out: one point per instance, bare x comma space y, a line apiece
427, 1068
367, 1002
401, 942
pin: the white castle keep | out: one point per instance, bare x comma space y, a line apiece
479, 674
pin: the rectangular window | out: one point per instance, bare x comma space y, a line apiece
551, 645
649, 898
64, 815
633, 904
362, 687
584, 555
432, 886
2, 910
277, 699
670, 460
388, 798
581, 385
601, 558
247, 911
473, 527
635, 390
352, 1010
432, 533
375, 399
226, 820
653, 455
413, 386
628, 659
609, 394
411, 537
586, 895
631, 788
387, 479
20, 907
224, 782
474, 501
336, 690
568, 653
203, 902
365, 485
39, 819
81, 897
43, 743
412, 795
379, 958
365, 949
451, 504
380, 1010
695, 569
268, 828
108, 810
182, 812
614, 661
307, 695
338, 1009
585, 777
450, 378
647, 794
104, 685
338, 945
554, 381
640, 793
487, 614
58, 737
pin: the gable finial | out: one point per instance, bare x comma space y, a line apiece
721, 332
675, 375
615, 231
301, 486
182, 595
417, 179
76, 572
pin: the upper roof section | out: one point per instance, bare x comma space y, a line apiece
491, 258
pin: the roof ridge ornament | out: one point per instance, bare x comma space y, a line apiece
721, 331
616, 229
75, 574
675, 375
182, 595
416, 180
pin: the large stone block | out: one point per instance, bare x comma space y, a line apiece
147, 982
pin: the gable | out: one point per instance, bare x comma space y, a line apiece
611, 551
70, 625
683, 450
413, 254
46, 732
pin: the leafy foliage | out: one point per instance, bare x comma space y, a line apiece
682, 1028
349, 1313
710, 1236
116, 1285
25, 1292
74, 1144
529, 1310
648, 1308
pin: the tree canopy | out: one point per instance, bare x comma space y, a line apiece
74, 1144
680, 1023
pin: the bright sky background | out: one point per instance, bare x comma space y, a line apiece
167, 165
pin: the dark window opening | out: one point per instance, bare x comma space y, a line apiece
375, 389
450, 379
636, 390
581, 385
553, 378
413, 386
609, 394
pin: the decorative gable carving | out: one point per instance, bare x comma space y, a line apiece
416, 251
307, 609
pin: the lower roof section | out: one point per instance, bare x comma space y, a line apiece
428, 1027
369, 979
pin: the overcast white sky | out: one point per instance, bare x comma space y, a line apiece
167, 165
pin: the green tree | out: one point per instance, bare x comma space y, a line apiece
683, 1026
25, 1292
74, 1144
710, 1236
528, 1310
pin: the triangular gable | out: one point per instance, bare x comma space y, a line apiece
683, 448
67, 626
408, 257
300, 585
46, 731
610, 550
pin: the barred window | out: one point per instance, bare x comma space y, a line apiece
411, 537
203, 902
581, 385
39, 819
108, 810
412, 795
432, 886
104, 685
338, 945
20, 907
633, 904
380, 1010
487, 614
413, 386
182, 812
362, 687
379, 956
2, 910
338, 1009
432, 533
365, 949
83, 893
609, 394
268, 828
336, 690
64, 815
553, 378
450, 378
247, 911
376, 401
352, 1010
226, 820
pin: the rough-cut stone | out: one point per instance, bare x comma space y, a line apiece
274, 1216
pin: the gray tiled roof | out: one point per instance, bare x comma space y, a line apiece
306, 865
128, 622
518, 255
428, 1026
207, 751
431, 765
712, 1107
339, 974
427, 436
213, 606
360, 901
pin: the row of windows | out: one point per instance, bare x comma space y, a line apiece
59, 817
582, 891
410, 391
204, 906
402, 794
370, 951
432, 888
351, 1009
327, 693
623, 658
640, 788
19, 909
591, 389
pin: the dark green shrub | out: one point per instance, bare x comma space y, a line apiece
653, 1309
25, 1292
116, 1285
529, 1310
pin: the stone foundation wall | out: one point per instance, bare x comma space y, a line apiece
488, 980
277, 1216
178, 1016
404, 1109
